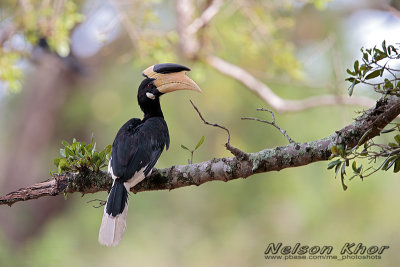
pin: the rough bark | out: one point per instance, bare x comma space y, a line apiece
223, 169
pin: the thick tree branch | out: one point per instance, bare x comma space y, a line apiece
224, 169
276, 102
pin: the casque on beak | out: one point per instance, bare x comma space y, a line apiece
170, 77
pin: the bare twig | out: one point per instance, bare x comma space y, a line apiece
271, 123
235, 151
276, 102
101, 203
211, 124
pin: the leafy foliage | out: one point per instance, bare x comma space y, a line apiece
199, 143
9, 72
32, 20
376, 70
79, 156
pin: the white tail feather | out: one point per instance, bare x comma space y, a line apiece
112, 228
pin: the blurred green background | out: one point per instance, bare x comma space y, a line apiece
298, 48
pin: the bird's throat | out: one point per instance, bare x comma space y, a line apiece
151, 109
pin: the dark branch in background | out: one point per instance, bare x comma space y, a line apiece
271, 123
365, 127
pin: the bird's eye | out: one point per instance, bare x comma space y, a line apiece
148, 85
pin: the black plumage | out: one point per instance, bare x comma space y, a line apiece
139, 143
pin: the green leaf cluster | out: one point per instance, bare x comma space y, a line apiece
342, 157
35, 19
375, 69
341, 163
9, 72
79, 156
52, 22
393, 160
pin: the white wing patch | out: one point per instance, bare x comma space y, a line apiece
110, 170
136, 178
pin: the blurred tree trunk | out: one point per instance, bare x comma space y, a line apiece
46, 90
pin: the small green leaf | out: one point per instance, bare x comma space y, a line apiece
392, 49
364, 136
373, 74
365, 56
397, 166
65, 143
354, 166
199, 143
333, 164
63, 165
56, 161
337, 168
388, 84
62, 152
184, 147
335, 150
388, 130
108, 149
386, 162
397, 138
350, 72
342, 174
390, 164
351, 88
94, 149
356, 64
384, 46
359, 169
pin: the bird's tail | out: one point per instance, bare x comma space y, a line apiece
113, 223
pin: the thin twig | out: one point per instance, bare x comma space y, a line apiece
211, 124
101, 203
271, 123
235, 151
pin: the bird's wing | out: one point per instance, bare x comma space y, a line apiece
138, 145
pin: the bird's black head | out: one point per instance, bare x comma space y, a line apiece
148, 98
161, 79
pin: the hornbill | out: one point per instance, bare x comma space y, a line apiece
139, 144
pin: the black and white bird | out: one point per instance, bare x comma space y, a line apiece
139, 144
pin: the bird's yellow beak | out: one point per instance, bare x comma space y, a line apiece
170, 80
